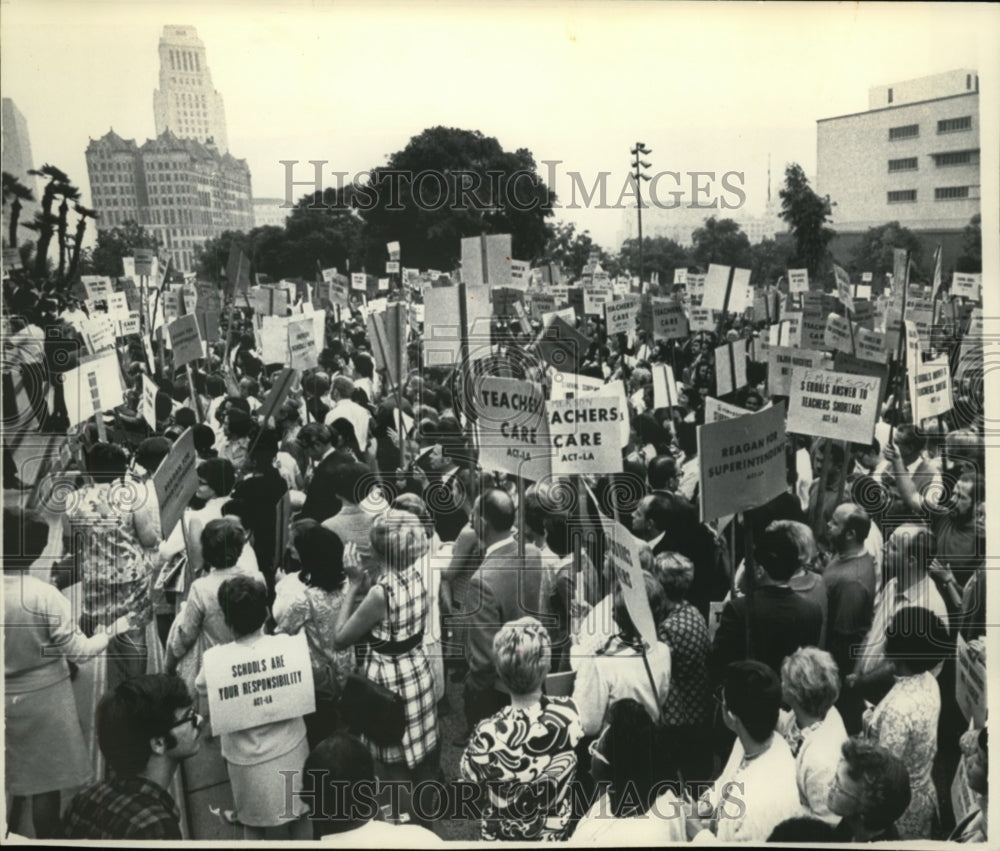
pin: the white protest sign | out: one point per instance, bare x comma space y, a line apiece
970, 680
664, 386
669, 321
716, 411
702, 319
830, 404
98, 287
862, 291
793, 335
780, 362
798, 280
621, 314
933, 384
487, 260
267, 680
967, 285
595, 298
623, 550
302, 344
716, 285
913, 356
171, 303
383, 285
185, 340
100, 331
392, 267
129, 325
93, 387
149, 391
519, 273
871, 345
567, 314
866, 277
118, 306
274, 339
176, 481
844, 289
393, 249
584, 434
837, 335
742, 462
680, 277
512, 427
568, 385
359, 281
730, 367
329, 275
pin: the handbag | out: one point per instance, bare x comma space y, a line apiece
371, 709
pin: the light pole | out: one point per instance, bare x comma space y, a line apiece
639, 165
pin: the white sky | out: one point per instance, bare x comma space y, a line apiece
713, 87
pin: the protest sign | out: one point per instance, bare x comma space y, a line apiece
669, 321
209, 299
129, 325
267, 680
383, 285
185, 340
970, 680
845, 292
100, 332
118, 307
93, 387
302, 344
623, 550
276, 395
561, 346
132, 297
852, 365
584, 434
143, 261
505, 300
913, 356
798, 280
933, 386
329, 275
11, 259
717, 285
392, 268
680, 277
270, 301
621, 314
963, 800
149, 391
273, 342
837, 335
208, 324
730, 367
443, 331
595, 298
520, 271
780, 362
864, 313
742, 462
175, 481
870, 345
566, 385
813, 334
359, 281
702, 319
967, 285
830, 404
487, 260
512, 427
171, 303
97, 287
716, 411
664, 386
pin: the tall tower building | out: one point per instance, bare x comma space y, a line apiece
16, 157
186, 103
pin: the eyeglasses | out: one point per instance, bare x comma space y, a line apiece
192, 717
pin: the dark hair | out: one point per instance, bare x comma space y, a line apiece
777, 552
803, 829
918, 638
753, 694
239, 508
312, 433
243, 602
163, 404
106, 462
140, 709
884, 778
498, 509
185, 417
661, 470
219, 474
340, 766
239, 422
344, 429
354, 482
911, 436
25, 536
364, 364
629, 745
557, 533
321, 553
204, 437
221, 544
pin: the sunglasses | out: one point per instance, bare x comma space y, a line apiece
192, 717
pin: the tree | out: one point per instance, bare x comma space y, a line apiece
118, 242
81, 226
874, 252
806, 214
447, 184
768, 261
570, 249
660, 254
721, 241
45, 222
971, 259
15, 193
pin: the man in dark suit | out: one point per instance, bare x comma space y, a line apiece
321, 498
781, 621
505, 587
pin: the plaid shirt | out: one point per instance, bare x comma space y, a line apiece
123, 808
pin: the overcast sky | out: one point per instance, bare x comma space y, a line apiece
711, 87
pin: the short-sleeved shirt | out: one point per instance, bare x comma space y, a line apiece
123, 808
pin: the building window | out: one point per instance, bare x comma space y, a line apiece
907, 131
890, 95
954, 125
905, 164
902, 196
950, 193
956, 158
968, 81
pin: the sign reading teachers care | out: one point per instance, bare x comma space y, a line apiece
260, 682
512, 428
742, 462
833, 404
584, 434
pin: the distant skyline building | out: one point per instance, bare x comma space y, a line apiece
182, 191
269, 211
186, 103
16, 158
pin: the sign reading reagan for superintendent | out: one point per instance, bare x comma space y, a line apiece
266, 680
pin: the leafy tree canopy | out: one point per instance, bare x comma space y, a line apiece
807, 215
721, 241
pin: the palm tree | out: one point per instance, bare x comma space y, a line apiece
68, 192
81, 225
45, 222
15, 192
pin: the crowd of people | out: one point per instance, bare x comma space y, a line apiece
801, 688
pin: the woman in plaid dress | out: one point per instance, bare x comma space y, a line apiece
394, 614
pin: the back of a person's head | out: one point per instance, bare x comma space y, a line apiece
558, 533
140, 709
917, 637
185, 417
630, 747
661, 470
25, 536
204, 437
321, 553
243, 602
342, 774
777, 552
354, 482
498, 509
343, 386
239, 422
315, 434
106, 462
364, 364
219, 474
753, 694
687, 438
884, 778
221, 544
413, 504
803, 829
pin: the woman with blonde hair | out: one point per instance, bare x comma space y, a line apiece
814, 730
526, 750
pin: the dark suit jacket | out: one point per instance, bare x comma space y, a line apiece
504, 588
321, 501
782, 622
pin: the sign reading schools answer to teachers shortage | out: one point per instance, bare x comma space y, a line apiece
833, 404
742, 462
259, 682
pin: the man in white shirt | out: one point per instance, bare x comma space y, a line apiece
757, 789
343, 406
